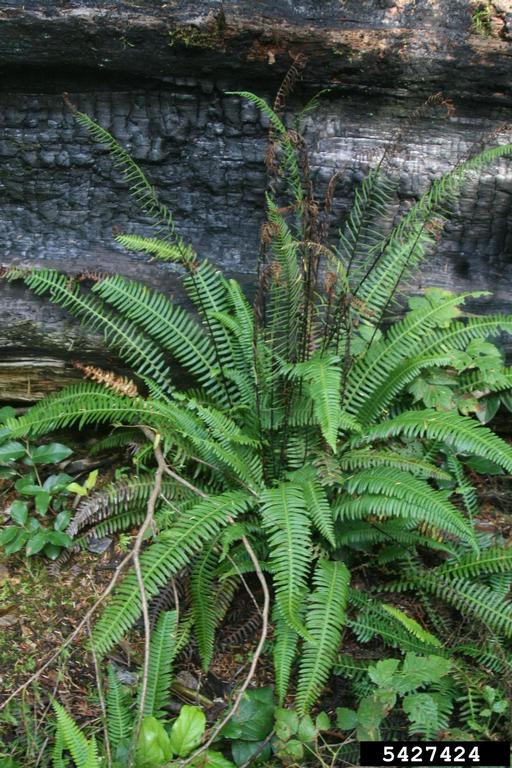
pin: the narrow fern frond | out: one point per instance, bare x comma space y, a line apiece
162, 650
204, 611
141, 189
392, 492
325, 619
493, 560
369, 457
72, 737
172, 327
285, 518
119, 718
284, 652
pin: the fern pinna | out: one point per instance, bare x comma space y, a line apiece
312, 429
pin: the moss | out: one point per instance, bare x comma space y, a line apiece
194, 37
481, 20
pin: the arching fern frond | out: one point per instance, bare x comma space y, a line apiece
141, 189
284, 652
172, 550
460, 432
122, 335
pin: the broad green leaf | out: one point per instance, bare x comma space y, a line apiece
8, 534
42, 500
61, 522
80, 490
346, 719
11, 451
188, 730
382, 673
36, 543
19, 512
153, 745
17, 542
255, 716
50, 453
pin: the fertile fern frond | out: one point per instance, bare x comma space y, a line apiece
325, 619
286, 520
171, 551
141, 189
162, 650
122, 335
284, 652
461, 433
119, 717
290, 161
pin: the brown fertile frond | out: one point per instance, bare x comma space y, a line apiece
94, 277
290, 80
120, 384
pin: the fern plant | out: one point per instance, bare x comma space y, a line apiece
307, 430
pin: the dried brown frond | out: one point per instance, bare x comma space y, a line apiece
120, 384
290, 80
271, 161
93, 276
67, 101
330, 280
275, 272
268, 232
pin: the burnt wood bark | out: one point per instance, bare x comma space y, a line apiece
156, 75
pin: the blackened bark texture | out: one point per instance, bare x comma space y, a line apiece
156, 75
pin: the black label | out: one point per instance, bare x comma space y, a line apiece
439, 753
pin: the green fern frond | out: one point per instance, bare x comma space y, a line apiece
394, 493
368, 380
286, 520
141, 189
119, 718
204, 610
160, 249
325, 619
486, 561
78, 405
369, 457
319, 509
72, 737
471, 599
284, 652
172, 550
411, 625
119, 333
172, 327
162, 651
408, 242
461, 433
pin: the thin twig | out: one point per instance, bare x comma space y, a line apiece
101, 696
257, 653
146, 525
